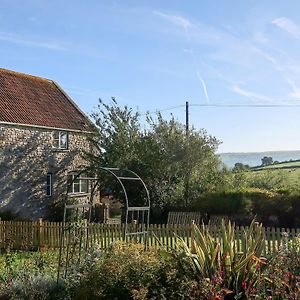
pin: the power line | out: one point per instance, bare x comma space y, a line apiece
221, 105
160, 110
246, 105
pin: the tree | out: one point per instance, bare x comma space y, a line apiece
239, 167
266, 161
162, 154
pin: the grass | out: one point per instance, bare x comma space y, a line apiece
287, 175
285, 165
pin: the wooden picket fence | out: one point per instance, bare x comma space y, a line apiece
27, 235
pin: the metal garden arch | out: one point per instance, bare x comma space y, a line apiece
74, 239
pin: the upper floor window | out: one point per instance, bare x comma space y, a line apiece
49, 186
61, 140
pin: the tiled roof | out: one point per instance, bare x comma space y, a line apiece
31, 100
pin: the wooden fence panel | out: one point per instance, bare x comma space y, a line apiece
27, 235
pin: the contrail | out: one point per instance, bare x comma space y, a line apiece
204, 87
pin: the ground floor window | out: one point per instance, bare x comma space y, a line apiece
78, 185
49, 185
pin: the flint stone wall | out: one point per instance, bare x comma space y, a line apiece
26, 156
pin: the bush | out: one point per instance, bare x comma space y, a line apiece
129, 272
29, 275
281, 278
232, 274
42, 287
8, 215
271, 208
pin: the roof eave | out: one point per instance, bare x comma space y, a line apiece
44, 127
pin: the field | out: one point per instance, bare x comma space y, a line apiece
279, 166
287, 174
254, 158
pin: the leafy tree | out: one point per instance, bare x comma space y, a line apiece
115, 142
266, 161
162, 154
238, 167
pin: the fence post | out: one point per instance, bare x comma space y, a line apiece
106, 212
193, 237
134, 230
86, 233
40, 232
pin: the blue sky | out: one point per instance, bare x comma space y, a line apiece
158, 54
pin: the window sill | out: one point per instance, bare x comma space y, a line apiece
60, 150
79, 194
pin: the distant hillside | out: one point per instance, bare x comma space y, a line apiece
254, 158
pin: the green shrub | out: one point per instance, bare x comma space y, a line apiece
8, 215
28, 275
281, 278
232, 274
42, 287
129, 272
271, 208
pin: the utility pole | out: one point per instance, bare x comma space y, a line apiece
187, 179
187, 118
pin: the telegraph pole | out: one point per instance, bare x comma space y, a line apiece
187, 118
186, 188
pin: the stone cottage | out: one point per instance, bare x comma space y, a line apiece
43, 135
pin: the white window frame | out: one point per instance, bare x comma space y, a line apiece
71, 177
49, 186
58, 142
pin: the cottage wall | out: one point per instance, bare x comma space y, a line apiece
26, 156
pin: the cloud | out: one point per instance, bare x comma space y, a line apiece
194, 32
252, 54
288, 25
175, 19
270, 58
188, 50
204, 87
250, 94
296, 90
30, 42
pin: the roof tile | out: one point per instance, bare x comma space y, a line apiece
31, 100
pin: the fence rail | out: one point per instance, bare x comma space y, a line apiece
32, 235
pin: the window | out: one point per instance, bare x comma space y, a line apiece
79, 186
49, 185
60, 140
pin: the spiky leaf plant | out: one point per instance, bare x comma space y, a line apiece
234, 274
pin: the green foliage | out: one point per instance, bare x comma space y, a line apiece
238, 167
42, 287
223, 203
266, 161
161, 154
281, 278
13, 264
8, 215
231, 273
212, 269
270, 208
29, 275
267, 180
117, 137
129, 272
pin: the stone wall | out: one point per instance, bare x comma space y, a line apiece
26, 156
